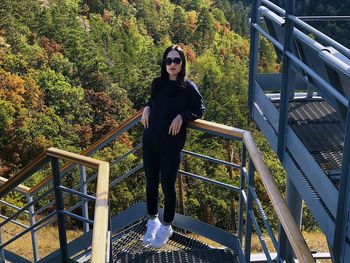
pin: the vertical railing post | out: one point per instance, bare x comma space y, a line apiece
84, 201
180, 185
241, 188
286, 92
59, 208
254, 46
250, 198
2, 252
33, 232
287, 81
342, 218
110, 243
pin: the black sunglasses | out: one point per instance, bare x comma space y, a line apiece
168, 61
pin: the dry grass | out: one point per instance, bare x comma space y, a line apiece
47, 240
315, 240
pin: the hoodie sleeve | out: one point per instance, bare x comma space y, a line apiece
153, 90
196, 107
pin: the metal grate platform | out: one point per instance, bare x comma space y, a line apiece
319, 128
128, 247
192, 256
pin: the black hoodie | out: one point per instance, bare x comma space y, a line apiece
168, 99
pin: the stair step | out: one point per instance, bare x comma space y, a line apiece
130, 240
128, 247
178, 256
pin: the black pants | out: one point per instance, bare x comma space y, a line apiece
161, 165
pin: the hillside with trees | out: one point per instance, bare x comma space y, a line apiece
71, 71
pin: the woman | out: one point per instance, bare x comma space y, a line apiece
174, 101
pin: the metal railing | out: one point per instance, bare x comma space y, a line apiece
255, 162
295, 29
246, 190
99, 248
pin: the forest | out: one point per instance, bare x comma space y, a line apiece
338, 30
72, 70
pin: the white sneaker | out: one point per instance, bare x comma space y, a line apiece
152, 228
162, 236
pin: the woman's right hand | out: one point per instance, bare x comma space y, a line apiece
145, 116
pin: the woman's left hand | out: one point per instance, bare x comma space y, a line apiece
175, 125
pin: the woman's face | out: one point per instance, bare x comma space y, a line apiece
173, 64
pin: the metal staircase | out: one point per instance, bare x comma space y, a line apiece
304, 113
121, 238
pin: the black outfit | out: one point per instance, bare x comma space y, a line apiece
162, 151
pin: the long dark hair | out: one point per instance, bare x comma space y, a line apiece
181, 77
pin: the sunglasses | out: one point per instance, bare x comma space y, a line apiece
168, 61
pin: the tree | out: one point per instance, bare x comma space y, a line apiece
180, 30
205, 29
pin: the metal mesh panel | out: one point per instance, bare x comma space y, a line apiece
190, 256
320, 137
319, 128
312, 111
128, 247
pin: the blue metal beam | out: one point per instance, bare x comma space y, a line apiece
80, 218
250, 199
59, 207
211, 159
254, 46
227, 186
344, 197
33, 233
287, 81
84, 202
72, 191
242, 198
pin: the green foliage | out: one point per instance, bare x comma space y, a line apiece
70, 71
179, 26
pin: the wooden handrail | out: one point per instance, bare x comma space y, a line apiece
99, 234
26, 172
293, 233
101, 215
90, 149
73, 157
99, 238
20, 188
217, 128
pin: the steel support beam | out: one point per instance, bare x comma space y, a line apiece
249, 221
254, 46
33, 232
342, 218
59, 208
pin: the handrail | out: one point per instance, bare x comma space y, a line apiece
93, 148
20, 188
216, 128
73, 157
19, 178
99, 238
293, 233
41, 160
